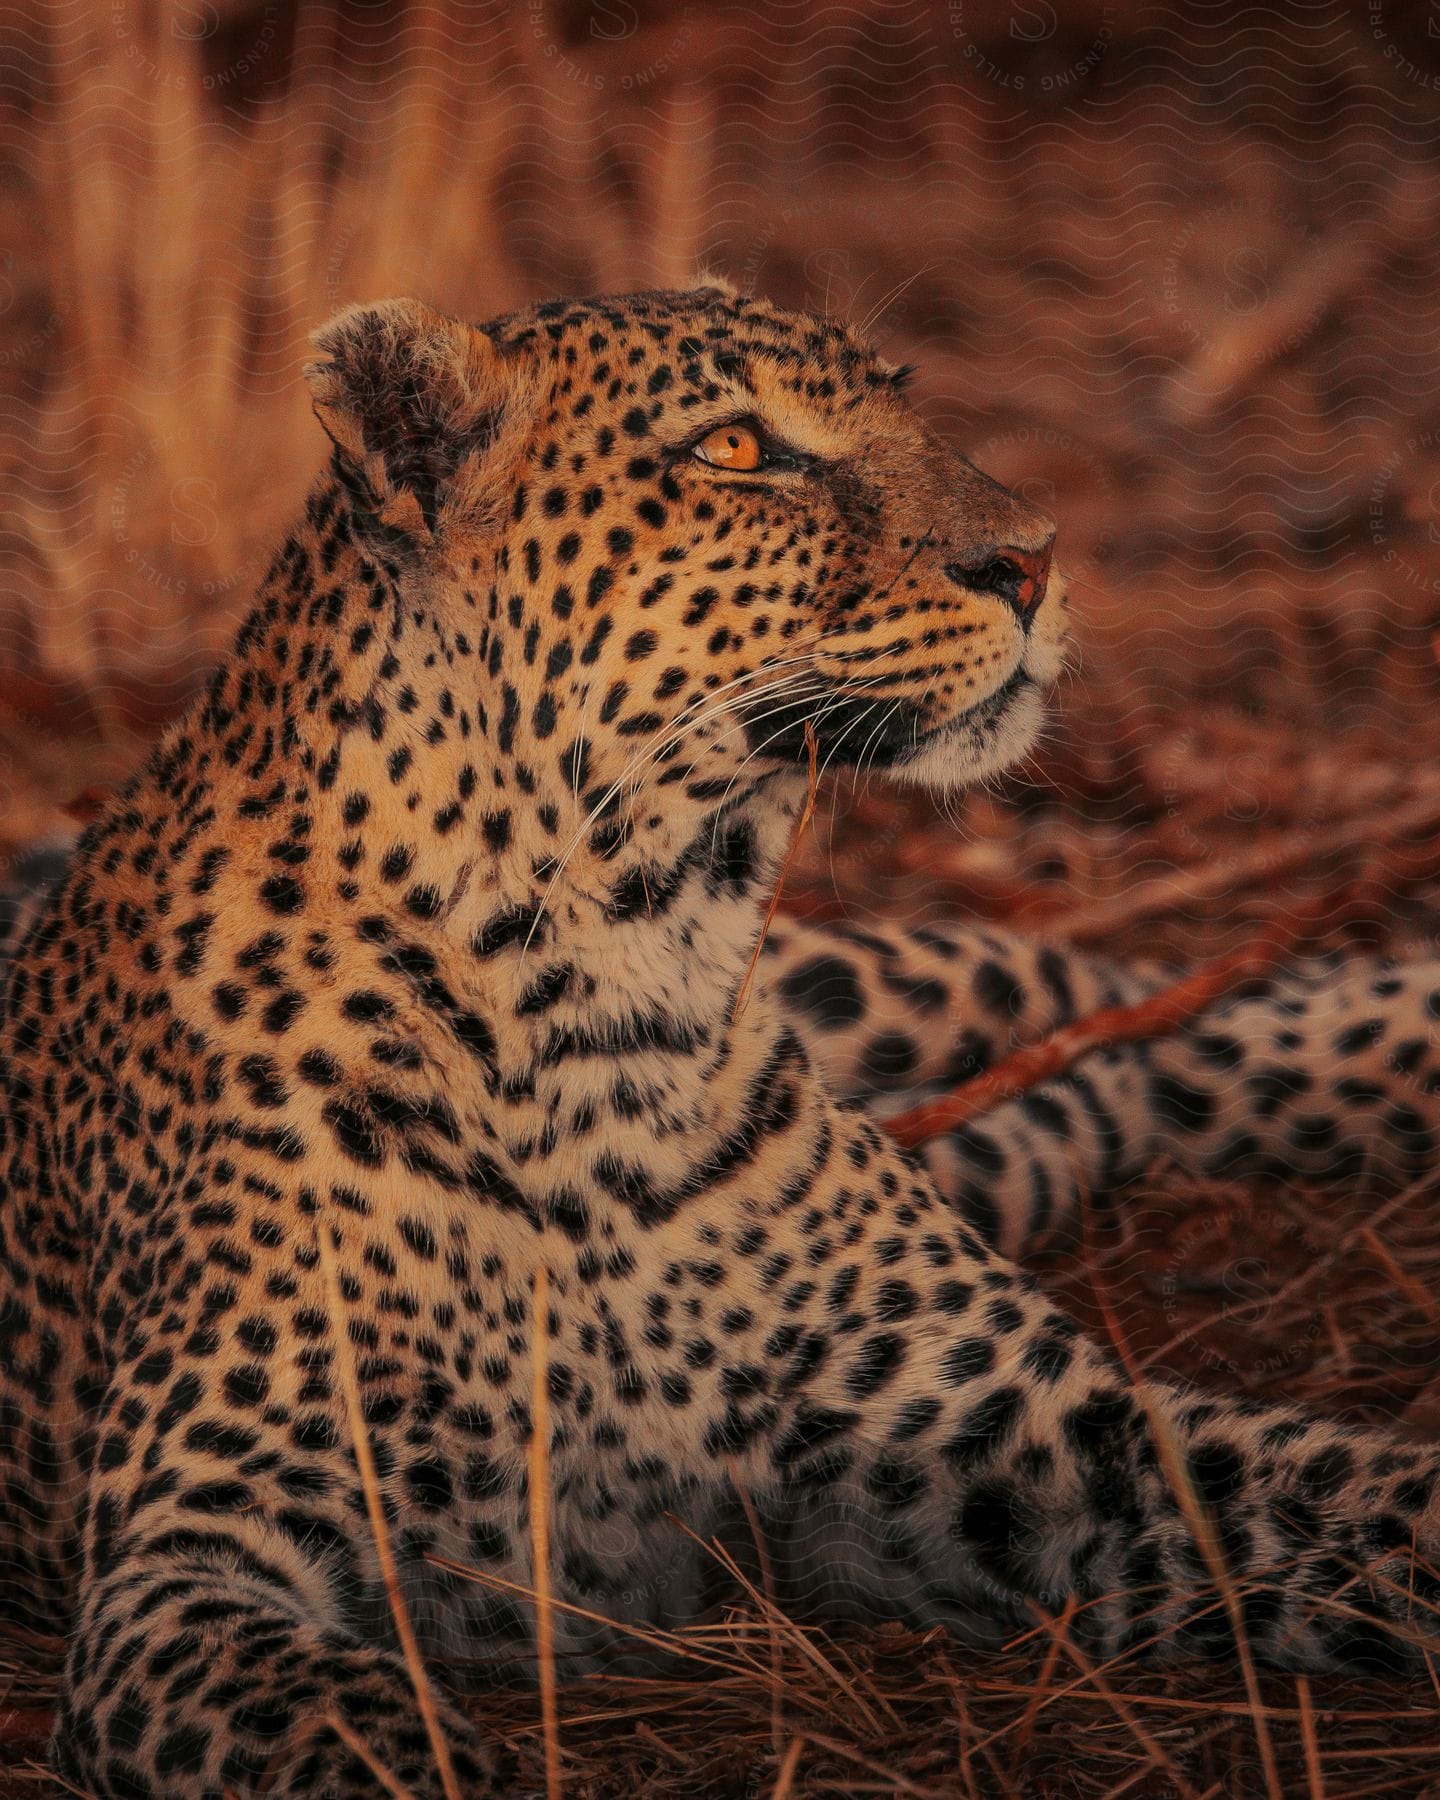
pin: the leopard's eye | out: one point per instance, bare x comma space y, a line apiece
730, 447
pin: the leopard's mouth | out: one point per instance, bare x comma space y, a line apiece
984, 740
860, 730
984, 713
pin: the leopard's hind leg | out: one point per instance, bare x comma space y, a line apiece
1329, 1068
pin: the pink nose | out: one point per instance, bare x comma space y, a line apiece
1017, 577
1034, 567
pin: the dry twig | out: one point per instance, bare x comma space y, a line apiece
805, 817
1157, 1016
375, 1506
540, 1528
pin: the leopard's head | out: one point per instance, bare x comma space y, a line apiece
695, 539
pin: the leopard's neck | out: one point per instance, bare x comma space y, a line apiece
612, 975
602, 914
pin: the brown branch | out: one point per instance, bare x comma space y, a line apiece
1390, 863
1156, 1016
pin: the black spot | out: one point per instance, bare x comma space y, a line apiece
914, 1419
282, 1011
889, 1058
1178, 1103
430, 1485
877, 1362
1214, 1047
734, 856
968, 1359
1048, 1357
248, 1385
319, 1068
1217, 1470
895, 1300
548, 987
813, 1426
1097, 1427
827, 989
229, 1000
1005, 1535
998, 989
953, 1298
365, 1006
263, 1080
986, 1428
639, 645
282, 894
1325, 1473
419, 1237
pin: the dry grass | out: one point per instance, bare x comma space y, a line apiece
1200, 332
1184, 298
380, 1531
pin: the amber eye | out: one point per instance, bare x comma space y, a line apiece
730, 447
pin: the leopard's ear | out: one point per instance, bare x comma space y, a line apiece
415, 403
711, 284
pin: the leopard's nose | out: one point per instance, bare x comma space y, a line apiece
1016, 576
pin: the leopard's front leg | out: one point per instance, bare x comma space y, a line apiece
948, 1448
215, 1648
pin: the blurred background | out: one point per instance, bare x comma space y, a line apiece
1175, 278
1171, 272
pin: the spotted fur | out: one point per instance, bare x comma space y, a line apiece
424, 932
1326, 1070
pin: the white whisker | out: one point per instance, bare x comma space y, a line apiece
646, 754
835, 698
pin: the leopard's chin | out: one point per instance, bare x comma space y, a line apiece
986, 740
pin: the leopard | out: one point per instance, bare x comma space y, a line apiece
390, 1121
